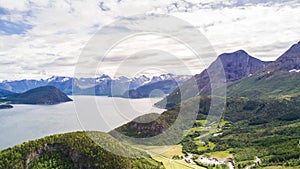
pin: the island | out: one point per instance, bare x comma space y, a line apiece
46, 95
5, 106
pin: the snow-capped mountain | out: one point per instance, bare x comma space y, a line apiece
20, 86
138, 81
101, 85
157, 86
170, 76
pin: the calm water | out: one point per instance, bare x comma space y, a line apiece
27, 122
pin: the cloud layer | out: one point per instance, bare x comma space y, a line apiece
41, 38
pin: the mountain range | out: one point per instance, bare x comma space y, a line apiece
103, 85
245, 75
5, 93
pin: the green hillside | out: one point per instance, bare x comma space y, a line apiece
276, 84
268, 128
74, 150
250, 111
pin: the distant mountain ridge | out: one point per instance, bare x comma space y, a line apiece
5, 93
157, 87
88, 86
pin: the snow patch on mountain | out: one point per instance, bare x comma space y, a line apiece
65, 79
295, 70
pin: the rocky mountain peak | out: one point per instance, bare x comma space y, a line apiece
239, 64
292, 53
290, 60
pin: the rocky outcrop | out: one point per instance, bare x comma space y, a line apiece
240, 64
290, 60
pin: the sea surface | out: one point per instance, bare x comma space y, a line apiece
27, 122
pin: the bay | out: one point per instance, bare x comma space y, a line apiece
28, 122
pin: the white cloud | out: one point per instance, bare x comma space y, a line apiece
21, 5
252, 28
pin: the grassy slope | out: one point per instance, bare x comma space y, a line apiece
250, 111
279, 84
165, 154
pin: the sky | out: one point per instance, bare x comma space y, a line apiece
42, 38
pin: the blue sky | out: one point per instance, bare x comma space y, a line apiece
41, 38
10, 28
